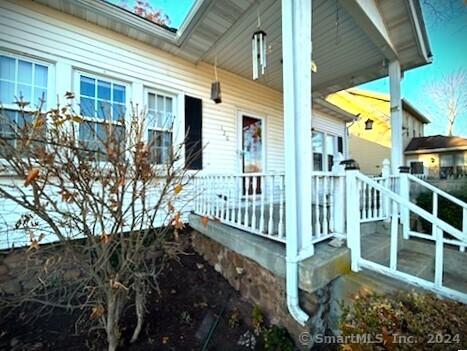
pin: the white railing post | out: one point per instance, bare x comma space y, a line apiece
464, 227
394, 236
339, 195
386, 172
405, 193
435, 213
438, 256
353, 214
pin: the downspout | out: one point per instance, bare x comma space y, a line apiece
293, 302
296, 50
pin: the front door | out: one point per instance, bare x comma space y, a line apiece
252, 149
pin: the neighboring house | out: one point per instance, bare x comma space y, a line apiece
369, 147
267, 149
437, 156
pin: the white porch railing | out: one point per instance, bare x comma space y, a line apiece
374, 206
255, 202
399, 205
436, 194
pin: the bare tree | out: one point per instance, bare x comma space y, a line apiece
440, 12
449, 95
99, 202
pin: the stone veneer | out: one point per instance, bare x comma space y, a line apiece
20, 268
260, 286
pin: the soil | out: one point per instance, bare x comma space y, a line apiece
190, 290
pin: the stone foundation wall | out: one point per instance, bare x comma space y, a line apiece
20, 269
259, 286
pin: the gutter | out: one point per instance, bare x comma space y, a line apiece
438, 150
420, 30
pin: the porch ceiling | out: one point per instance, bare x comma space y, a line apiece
344, 46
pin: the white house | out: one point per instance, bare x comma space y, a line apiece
258, 153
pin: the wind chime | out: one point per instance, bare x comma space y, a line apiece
259, 47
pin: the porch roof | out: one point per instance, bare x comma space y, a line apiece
352, 40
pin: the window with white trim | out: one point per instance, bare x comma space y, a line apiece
21, 79
324, 147
103, 105
160, 126
318, 150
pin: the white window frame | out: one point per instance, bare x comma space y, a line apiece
76, 84
177, 120
51, 87
324, 159
50, 81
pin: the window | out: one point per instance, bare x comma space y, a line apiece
452, 165
324, 144
20, 79
160, 126
416, 167
103, 105
318, 146
446, 169
330, 150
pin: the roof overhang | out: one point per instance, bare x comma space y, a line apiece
329, 109
352, 39
434, 151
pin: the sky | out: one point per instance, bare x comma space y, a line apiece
176, 10
447, 33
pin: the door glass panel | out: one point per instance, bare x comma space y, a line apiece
252, 145
252, 151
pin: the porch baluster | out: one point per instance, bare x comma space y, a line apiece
331, 203
239, 198
247, 188
280, 230
261, 219
317, 225
253, 211
325, 205
271, 205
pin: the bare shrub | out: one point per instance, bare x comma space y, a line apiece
99, 204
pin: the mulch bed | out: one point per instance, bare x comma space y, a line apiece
190, 290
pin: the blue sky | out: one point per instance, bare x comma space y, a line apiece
177, 10
448, 40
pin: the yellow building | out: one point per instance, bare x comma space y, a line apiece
370, 134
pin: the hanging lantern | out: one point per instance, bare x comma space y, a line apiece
369, 124
216, 86
259, 45
216, 92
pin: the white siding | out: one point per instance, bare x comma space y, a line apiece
71, 44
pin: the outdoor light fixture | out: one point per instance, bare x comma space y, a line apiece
259, 45
369, 124
216, 95
216, 92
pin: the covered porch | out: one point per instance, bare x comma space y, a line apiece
353, 42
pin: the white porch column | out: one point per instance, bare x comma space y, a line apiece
296, 54
396, 116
